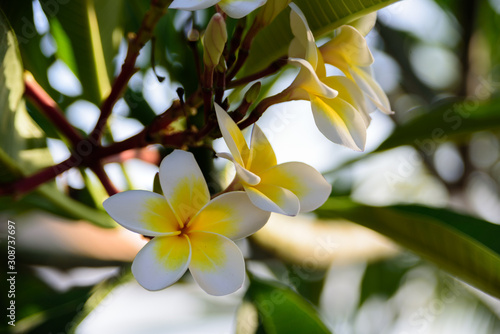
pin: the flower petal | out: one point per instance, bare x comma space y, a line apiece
143, 212
304, 44
365, 23
347, 47
217, 264
162, 262
239, 8
269, 197
304, 181
231, 215
308, 80
262, 154
192, 4
246, 176
183, 184
352, 94
339, 122
232, 136
364, 79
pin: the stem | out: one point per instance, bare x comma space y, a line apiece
208, 78
236, 41
137, 42
244, 50
271, 69
33, 181
37, 95
262, 106
104, 178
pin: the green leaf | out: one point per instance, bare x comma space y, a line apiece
323, 17
466, 247
281, 310
445, 121
87, 33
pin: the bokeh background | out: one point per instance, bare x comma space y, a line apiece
428, 54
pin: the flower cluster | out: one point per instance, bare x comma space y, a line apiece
190, 229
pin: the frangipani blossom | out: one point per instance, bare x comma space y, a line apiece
234, 8
189, 230
287, 188
342, 117
349, 52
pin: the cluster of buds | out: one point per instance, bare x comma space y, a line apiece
192, 229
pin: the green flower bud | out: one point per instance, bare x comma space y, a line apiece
253, 93
214, 40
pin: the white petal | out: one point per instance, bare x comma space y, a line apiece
231, 215
304, 44
232, 135
143, 212
304, 181
239, 8
340, 122
371, 88
269, 197
183, 184
217, 264
192, 4
246, 176
308, 80
162, 262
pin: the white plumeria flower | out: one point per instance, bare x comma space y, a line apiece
341, 117
234, 8
287, 188
349, 52
189, 230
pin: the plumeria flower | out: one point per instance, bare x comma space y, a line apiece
234, 8
342, 117
189, 230
349, 52
287, 188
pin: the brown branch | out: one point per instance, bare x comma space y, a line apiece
37, 95
99, 171
271, 69
136, 43
244, 50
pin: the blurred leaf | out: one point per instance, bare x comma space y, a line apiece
466, 247
445, 121
281, 310
86, 27
20, 14
323, 17
382, 278
139, 107
41, 309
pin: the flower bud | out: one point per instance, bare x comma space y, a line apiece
214, 40
270, 10
253, 93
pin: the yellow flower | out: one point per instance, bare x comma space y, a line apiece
338, 105
349, 52
287, 188
189, 230
234, 8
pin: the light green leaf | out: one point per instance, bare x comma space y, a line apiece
323, 16
281, 310
464, 246
89, 39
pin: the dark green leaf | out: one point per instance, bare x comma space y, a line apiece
282, 310
466, 247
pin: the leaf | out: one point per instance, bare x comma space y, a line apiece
466, 247
87, 32
281, 310
323, 17
444, 121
